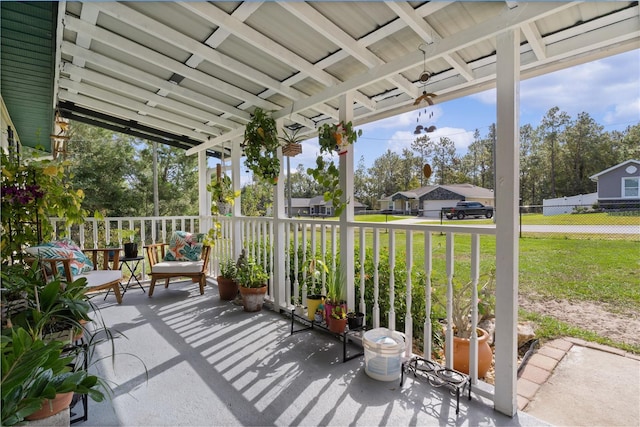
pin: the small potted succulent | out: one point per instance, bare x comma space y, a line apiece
338, 319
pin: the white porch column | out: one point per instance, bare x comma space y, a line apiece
236, 167
204, 201
279, 248
507, 192
346, 184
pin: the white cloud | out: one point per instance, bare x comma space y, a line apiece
607, 89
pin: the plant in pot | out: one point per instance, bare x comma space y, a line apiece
222, 198
315, 268
336, 291
338, 319
261, 146
252, 279
36, 375
461, 318
130, 239
291, 141
332, 138
227, 285
355, 320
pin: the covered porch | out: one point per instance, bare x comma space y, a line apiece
210, 363
191, 74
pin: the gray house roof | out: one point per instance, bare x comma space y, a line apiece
464, 190
319, 201
619, 165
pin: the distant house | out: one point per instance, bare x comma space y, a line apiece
619, 186
428, 201
316, 206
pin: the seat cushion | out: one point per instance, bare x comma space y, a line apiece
100, 277
184, 246
178, 267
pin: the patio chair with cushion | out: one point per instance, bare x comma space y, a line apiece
184, 256
65, 258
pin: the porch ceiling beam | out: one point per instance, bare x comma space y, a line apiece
427, 33
125, 113
140, 76
126, 127
116, 85
370, 39
509, 18
335, 34
122, 44
249, 35
175, 38
534, 38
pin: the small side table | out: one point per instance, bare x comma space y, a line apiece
131, 264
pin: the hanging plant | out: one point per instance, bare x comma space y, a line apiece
261, 146
291, 141
222, 197
337, 137
332, 138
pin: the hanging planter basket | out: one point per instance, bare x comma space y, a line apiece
291, 150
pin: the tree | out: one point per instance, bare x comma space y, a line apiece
551, 129
302, 185
385, 175
256, 198
444, 156
361, 190
103, 164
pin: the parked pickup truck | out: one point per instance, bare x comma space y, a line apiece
465, 209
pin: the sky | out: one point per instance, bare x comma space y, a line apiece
607, 89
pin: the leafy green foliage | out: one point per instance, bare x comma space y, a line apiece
261, 146
250, 273
32, 371
32, 191
326, 173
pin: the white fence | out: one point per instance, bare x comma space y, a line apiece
565, 205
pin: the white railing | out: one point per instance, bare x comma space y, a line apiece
377, 251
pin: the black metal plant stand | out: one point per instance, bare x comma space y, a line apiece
344, 337
437, 376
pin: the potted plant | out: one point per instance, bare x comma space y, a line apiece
36, 375
336, 292
338, 319
332, 138
355, 320
315, 268
252, 279
261, 146
318, 315
291, 141
222, 197
227, 285
130, 239
461, 314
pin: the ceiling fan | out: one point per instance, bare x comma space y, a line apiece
424, 78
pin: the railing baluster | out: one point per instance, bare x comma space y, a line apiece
475, 273
428, 333
408, 318
296, 283
392, 279
376, 278
323, 254
363, 305
449, 335
305, 287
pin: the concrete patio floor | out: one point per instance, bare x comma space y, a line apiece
210, 363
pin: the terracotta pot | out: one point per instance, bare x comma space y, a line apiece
227, 288
253, 298
461, 353
52, 407
337, 325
